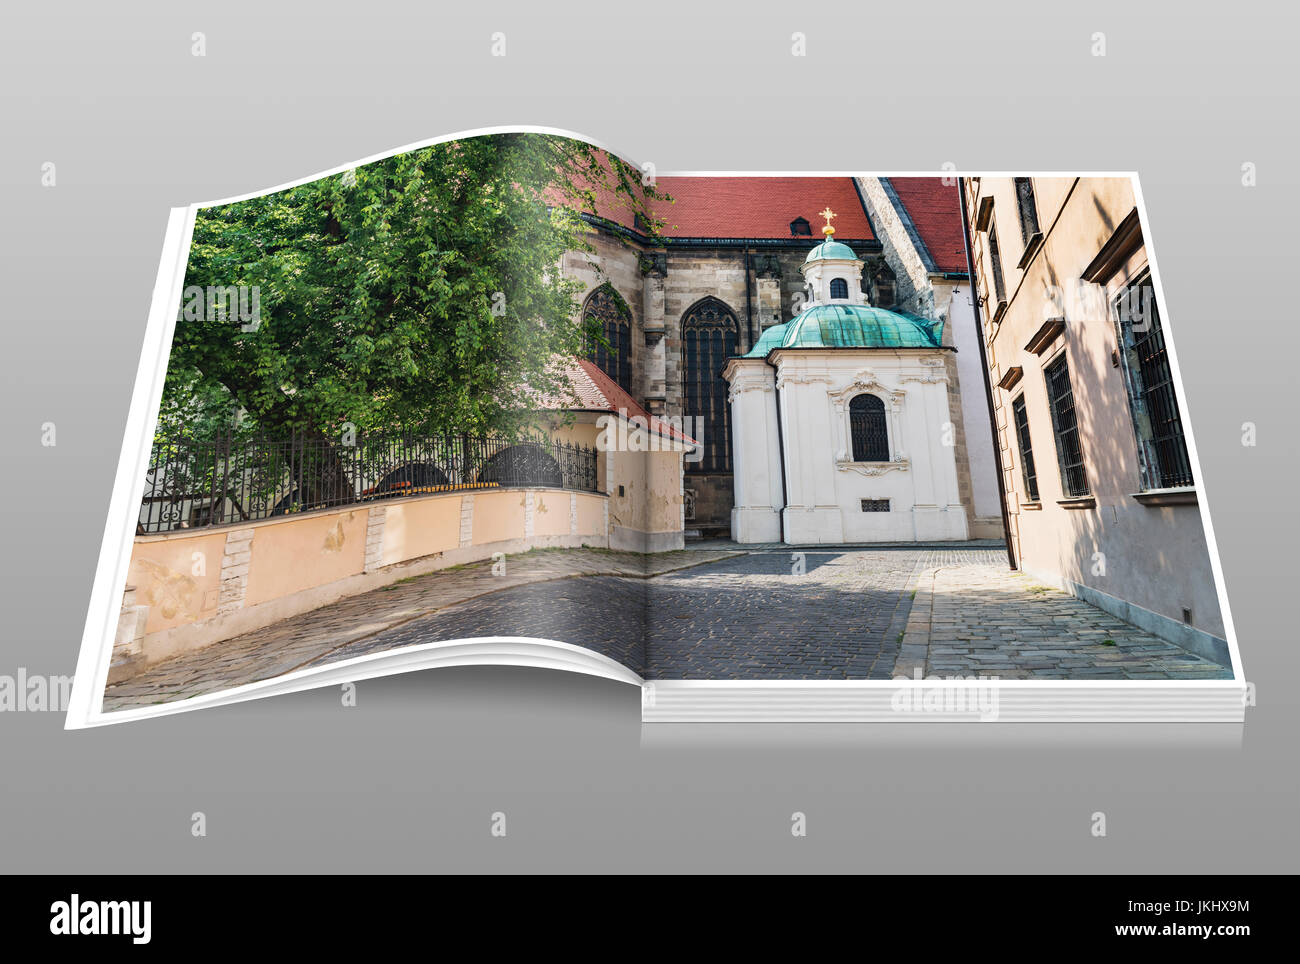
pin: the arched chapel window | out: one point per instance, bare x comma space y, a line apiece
607, 313
867, 429
839, 288
709, 337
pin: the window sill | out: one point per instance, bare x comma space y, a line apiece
1012, 378
1031, 247
1045, 335
1031, 506
1181, 495
1083, 502
998, 312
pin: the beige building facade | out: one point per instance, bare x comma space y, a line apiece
1101, 493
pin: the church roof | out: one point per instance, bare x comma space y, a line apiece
760, 208
935, 210
849, 326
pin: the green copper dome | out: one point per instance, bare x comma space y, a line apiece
831, 249
850, 326
769, 340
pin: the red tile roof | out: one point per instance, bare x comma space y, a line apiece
597, 392
760, 207
763, 207
748, 207
935, 209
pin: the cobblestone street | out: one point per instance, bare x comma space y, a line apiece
717, 614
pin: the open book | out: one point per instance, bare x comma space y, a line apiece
825, 447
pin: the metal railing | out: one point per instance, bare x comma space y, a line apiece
229, 479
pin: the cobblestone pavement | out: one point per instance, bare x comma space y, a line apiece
309, 638
750, 617
988, 621
744, 617
852, 614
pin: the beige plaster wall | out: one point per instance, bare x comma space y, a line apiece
1155, 557
177, 576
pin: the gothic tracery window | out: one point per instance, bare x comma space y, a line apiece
709, 337
607, 313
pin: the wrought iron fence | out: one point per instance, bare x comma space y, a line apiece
231, 478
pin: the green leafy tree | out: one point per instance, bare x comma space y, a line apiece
420, 291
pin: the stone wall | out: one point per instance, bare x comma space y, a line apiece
191, 588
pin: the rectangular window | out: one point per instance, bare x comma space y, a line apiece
1162, 448
875, 505
1028, 209
1065, 425
999, 288
1027, 469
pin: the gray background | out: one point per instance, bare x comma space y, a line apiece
407, 779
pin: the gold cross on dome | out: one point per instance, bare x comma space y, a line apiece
829, 215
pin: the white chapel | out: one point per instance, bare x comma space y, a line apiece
843, 420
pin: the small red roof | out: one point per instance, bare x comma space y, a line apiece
935, 209
597, 392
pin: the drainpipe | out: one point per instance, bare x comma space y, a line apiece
988, 383
749, 301
780, 440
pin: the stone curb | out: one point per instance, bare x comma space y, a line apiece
914, 653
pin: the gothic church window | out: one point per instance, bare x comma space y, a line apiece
867, 429
608, 331
709, 337
884, 286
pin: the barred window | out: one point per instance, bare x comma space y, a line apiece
609, 335
995, 256
867, 429
1162, 447
839, 288
709, 338
1065, 425
1027, 469
1028, 206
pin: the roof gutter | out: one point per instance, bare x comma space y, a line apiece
988, 384
801, 243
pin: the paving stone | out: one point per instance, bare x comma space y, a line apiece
851, 615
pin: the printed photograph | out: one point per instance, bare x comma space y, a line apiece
766, 427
